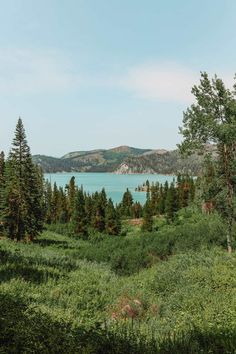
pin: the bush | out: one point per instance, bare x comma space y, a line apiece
52, 300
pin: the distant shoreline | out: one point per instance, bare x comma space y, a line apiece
113, 173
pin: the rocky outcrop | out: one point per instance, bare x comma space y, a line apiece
125, 169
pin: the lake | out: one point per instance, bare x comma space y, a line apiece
115, 185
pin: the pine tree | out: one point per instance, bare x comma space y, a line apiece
35, 214
89, 208
100, 204
126, 204
148, 190
79, 222
55, 204
137, 210
2, 167
171, 204
71, 195
64, 210
161, 201
155, 198
22, 196
147, 224
112, 219
48, 202
10, 203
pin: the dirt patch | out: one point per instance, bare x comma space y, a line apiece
135, 222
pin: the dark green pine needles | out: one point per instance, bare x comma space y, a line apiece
22, 195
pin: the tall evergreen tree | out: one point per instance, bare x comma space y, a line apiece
147, 224
161, 200
22, 196
126, 204
171, 204
55, 204
2, 167
48, 202
89, 208
99, 211
137, 210
79, 221
71, 196
64, 210
112, 219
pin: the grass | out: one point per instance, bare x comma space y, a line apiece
64, 295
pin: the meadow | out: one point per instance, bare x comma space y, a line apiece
169, 291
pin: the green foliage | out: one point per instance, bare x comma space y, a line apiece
21, 194
79, 222
112, 220
147, 224
71, 191
50, 301
83, 213
169, 198
128, 255
165, 162
212, 119
172, 290
2, 167
126, 204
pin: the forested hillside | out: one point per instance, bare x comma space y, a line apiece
122, 160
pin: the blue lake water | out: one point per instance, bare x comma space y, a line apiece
115, 185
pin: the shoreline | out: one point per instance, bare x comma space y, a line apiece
114, 173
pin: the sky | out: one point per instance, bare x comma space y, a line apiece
88, 74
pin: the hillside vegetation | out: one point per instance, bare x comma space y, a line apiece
122, 159
82, 275
173, 291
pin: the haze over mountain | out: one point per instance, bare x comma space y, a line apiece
122, 159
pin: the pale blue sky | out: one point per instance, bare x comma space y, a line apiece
87, 74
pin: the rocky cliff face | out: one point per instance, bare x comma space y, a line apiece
125, 168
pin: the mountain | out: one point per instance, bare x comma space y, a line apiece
168, 162
121, 160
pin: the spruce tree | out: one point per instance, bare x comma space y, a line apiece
2, 167
79, 222
89, 208
154, 198
72, 188
161, 201
112, 219
64, 210
48, 202
35, 214
171, 204
147, 224
126, 204
137, 210
22, 196
55, 204
100, 204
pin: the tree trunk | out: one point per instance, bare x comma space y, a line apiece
229, 245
